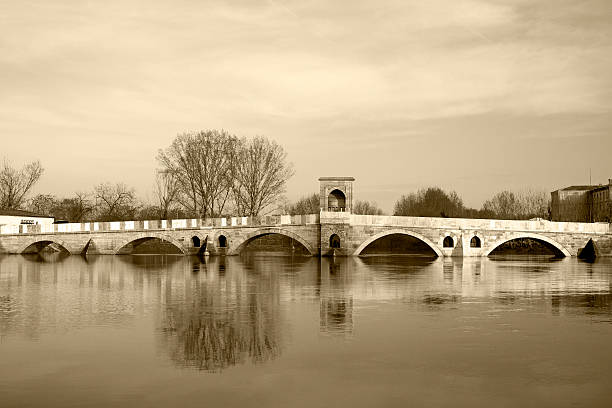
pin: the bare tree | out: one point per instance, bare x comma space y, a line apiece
15, 184
503, 205
518, 205
261, 172
166, 190
305, 205
78, 207
366, 207
202, 164
430, 202
114, 201
43, 204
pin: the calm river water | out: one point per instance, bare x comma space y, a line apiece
271, 331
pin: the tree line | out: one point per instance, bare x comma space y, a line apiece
435, 202
201, 174
214, 173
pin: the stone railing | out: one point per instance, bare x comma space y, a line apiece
474, 224
193, 223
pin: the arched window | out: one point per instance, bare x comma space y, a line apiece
196, 241
448, 242
222, 241
334, 241
336, 201
475, 242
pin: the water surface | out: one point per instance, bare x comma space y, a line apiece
303, 332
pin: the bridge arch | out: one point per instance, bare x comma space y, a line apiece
490, 248
413, 234
151, 235
241, 243
41, 242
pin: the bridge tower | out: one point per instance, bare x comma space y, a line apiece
336, 194
336, 205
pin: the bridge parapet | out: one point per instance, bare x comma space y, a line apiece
174, 224
477, 224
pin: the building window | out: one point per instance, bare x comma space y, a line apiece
448, 242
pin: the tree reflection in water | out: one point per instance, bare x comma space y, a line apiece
221, 316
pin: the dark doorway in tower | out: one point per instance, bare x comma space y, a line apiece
222, 241
336, 201
334, 241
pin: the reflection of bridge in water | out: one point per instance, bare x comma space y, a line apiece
225, 311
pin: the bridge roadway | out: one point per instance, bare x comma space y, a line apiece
316, 232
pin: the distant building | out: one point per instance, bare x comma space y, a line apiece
582, 203
21, 217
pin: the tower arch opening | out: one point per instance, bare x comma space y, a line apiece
336, 201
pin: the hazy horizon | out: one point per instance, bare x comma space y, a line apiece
473, 96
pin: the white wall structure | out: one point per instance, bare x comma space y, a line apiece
20, 217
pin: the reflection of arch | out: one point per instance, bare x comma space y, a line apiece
448, 242
538, 237
336, 201
39, 244
266, 231
475, 242
334, 241
150, 235
416, 235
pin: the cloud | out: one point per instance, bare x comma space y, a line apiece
360, 75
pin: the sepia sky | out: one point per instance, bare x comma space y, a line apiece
475, 96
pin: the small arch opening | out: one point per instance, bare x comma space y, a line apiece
196, 241
336, 201
334, 241
448, 242
222, 241
475, 242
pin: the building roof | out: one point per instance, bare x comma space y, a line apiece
22, 213
336, 179
579, 188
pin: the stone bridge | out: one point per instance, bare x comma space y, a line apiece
338, 233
